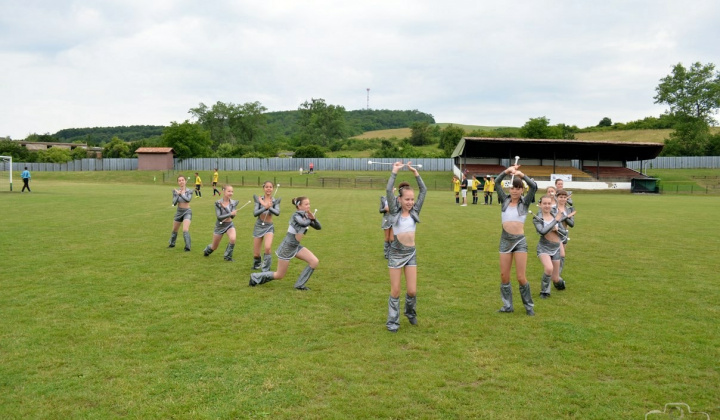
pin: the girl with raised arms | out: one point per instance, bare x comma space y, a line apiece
290, 247
513, 245
404, 216
183, 215
265, 208
225, 211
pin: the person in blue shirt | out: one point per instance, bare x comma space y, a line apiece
25, 175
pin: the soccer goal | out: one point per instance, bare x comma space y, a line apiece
5, 172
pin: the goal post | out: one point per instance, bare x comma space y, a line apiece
6, 165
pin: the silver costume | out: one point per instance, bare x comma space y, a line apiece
512, 243
386, 224
299, 223
182, 213
222, 212
401, 255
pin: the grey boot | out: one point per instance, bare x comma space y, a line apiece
303, 278
506, 295
207, 251
410, 309
261, 278
256, 263
393, 320
173, 237
545, 286
562, 265
560, 285
527, 299
186, 236
267, 262
229, 252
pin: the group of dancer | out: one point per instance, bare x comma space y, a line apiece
463, 184
401, 216
266, 207
551, 223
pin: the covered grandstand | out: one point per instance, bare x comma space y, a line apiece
589, 161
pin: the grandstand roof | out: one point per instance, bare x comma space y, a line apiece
555, 149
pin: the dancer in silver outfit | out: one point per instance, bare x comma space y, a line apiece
404, 216
386, 225
183, 215
290, 247
225, 211
564, 206
548, 247
513, 245
264, 231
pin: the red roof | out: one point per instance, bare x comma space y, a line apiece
155, 150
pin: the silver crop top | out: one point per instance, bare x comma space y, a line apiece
511, 215
404, 224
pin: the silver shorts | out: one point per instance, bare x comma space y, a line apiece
386, 224
289, 247
223, 227
512, 243
400, 255
548, 247
261, 230
183, 214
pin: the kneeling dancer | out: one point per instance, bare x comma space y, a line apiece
404, 216
290, 247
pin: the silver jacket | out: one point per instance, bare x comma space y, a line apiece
260, 209
394, 205
525, 201
185, 198
223, 212
299, 223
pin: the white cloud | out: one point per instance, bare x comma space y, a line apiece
81, 63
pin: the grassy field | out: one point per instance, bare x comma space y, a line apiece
99, 319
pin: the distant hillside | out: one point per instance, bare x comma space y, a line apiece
97, 135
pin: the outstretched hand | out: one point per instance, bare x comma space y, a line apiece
397, 166
412, 168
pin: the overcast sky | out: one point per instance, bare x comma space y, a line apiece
71, 64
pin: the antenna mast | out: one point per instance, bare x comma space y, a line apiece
368, 99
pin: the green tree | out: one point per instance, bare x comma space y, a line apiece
449, 138
693, 92
536, 128
310, 151
55, 155
320, 123
117, 149
421, 133
188, 140
605, 122
231, 123
691, 137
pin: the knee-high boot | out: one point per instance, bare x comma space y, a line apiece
410, 309
386, 249
527, 298
229, 252
186, 236
562, 265
261, 278
173, 238
393, 320
207, 251
256, 263
506, 296
267, 262
545, 286
303, 278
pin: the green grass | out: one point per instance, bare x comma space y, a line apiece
98, 319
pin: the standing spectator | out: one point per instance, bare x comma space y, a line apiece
488, 189
25, 175
474, 188
463, 190
214, 183
456, 188
312, 168
198, 184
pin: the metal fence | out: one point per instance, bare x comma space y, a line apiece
324, 164
679, 162
295, 164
